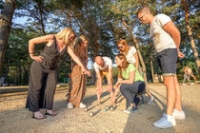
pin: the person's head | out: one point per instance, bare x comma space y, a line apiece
144, 15
67, 35
84, 39
122, 46
99, 61
121, 61
79, 42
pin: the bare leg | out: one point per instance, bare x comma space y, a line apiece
178, 104
171, 93
194, 78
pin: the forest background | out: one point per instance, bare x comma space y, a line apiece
103, 21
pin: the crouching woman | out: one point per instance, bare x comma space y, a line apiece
130, 83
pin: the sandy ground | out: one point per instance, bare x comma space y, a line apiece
14, 118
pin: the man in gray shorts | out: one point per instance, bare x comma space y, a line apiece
166, 38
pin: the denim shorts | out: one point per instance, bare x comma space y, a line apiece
167, 61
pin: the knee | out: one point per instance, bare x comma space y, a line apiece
123, 90
167, 82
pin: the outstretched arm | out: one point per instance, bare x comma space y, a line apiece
77, 60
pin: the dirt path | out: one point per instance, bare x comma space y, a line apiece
14, 118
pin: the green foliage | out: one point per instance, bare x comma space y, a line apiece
101, 21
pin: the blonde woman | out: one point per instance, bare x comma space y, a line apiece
77, 87
43, 70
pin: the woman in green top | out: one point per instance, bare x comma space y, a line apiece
130, 83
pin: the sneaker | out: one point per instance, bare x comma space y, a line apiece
180, 115
69, 105
82, 105
165, 122
184, 84
150, 101
130, 109
191, 83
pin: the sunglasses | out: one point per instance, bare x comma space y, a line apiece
120, 47
140, 18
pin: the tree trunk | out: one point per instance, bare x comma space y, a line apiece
189, 30
5, 27
137, 48
152, 69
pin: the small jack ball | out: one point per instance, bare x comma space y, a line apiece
107, 107
91, 113
86, 109
111, 109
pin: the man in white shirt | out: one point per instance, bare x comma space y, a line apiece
166, 38
103, 67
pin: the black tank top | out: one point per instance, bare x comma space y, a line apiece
51, 56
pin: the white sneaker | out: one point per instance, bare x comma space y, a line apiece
82, 105
131, 109
165, 122
191, 83
184, 84
69, 105
180, 115
150, 101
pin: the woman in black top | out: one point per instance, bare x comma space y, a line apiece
43, 70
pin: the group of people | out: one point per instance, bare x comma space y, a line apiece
129, 79
43, 73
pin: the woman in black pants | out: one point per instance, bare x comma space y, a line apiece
130, 83
43, 73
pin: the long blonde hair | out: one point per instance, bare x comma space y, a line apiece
64, 35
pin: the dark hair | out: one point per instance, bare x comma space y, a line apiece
144, 8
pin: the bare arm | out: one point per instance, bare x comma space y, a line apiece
136, 60
99, 84
76, 59
48, 39
109, 76
171, 29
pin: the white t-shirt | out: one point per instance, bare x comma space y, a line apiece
130, 55
162, 40
107, 64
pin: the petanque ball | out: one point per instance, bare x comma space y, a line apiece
91, 113
86, 109
111, 109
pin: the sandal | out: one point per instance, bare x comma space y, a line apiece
38, 116
50, 113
